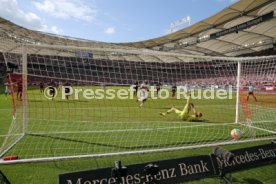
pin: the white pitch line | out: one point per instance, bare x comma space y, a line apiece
6, 109
262, 129
244, 122
127, 122
129, 130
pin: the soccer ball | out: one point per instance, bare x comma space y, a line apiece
236, 133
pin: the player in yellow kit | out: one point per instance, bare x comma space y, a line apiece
184, 114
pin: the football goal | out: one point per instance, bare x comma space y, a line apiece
75, 102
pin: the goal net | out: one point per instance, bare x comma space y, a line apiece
70, 102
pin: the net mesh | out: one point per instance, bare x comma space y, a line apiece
95, 119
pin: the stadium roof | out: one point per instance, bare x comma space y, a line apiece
255, 38
193, 40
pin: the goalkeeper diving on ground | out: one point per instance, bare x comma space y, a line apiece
185, 113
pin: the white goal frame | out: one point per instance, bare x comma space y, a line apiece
25, 105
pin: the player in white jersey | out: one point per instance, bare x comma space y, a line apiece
7, 89
60, 84
144, 90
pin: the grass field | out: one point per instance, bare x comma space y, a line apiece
79, 127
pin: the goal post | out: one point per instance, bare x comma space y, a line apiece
238, 91
24, 89
81, 102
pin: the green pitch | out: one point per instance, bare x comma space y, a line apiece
104, 126
55, 127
